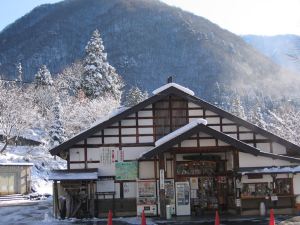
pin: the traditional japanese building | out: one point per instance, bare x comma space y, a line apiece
175, 149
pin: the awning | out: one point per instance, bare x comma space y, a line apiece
270, 170
16, 164
60, 175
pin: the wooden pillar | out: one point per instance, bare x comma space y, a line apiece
55, 200
162, 194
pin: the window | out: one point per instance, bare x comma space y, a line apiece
169, 115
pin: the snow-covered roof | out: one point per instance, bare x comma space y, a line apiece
270, 170
70, 175
16, 164
180, 131
166, 86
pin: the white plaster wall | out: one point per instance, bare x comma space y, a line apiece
146, 139
217, 128
244, 129
77, 166
221, 143
296, 184
247, 136
213, 120
145, 122
106, 170
94, 140
210, 113
230, 128
249, 160
113, 131
128, 140
147, 130
192, 105
226, 121
128, 131
131, 122
264, 147
232, 135
196, 112
146, 169
111, 140
132, 153
76, 154
207, 142
93, 154
189, 143
278, 149
145, 114
259, 136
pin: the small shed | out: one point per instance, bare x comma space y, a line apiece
15, 178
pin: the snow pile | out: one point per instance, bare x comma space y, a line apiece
180, 131
166, 86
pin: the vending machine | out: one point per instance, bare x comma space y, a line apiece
170, 195
146, 197
183, 203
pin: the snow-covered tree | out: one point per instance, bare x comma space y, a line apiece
237, 108
285, 122
83, 112
43, 77
16, 110
69, 80
135, 96
99, 77
256, 116
56, 131
20, 72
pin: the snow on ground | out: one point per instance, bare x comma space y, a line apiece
43, 163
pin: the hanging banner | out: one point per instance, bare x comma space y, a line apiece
126, 170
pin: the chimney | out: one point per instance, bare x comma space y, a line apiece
170, 79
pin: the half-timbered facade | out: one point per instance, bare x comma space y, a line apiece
175, 149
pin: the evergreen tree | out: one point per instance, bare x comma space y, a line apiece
43, 77
99, 77
237, 108
56, 129
135, 96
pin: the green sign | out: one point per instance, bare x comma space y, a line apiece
126, 170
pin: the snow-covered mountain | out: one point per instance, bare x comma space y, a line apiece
146, 41
282, 49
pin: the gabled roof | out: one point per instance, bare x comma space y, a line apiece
239, 145
160, 94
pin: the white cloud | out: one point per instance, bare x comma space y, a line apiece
265, 17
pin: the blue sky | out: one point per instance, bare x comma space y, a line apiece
264, 17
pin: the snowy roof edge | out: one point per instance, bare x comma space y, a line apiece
178, 86
180, 131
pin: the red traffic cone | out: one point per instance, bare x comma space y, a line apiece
109, 219
217, 219
143, 222
272, 219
